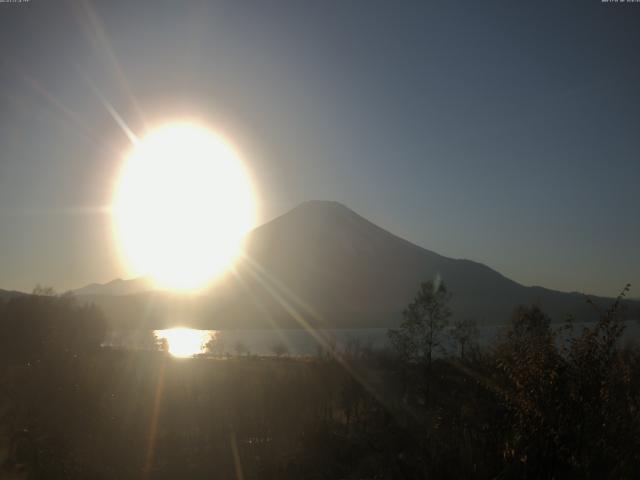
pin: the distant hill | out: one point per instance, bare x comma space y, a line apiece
323, 264
116, 287
8, 294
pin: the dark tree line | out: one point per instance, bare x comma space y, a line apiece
35, 327
535, 404
568, 399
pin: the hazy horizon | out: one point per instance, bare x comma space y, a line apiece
28, 288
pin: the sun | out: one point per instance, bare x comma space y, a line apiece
182, 205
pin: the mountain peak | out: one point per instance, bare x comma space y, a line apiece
322, 205
326, 203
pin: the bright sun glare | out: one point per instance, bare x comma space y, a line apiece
182, 206
184, 342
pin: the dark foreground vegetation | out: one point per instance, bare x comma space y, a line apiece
531, 406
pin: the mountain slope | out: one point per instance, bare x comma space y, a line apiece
6, 295
116, 287
323, 264
359, 274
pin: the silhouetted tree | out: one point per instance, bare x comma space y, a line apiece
216, 345
148, 340
425, 319
33, 326
570, 407
43, 291
279, 349
603, 394
357, 348
464, 332
532, 407
241, 348
533, 394
163, 345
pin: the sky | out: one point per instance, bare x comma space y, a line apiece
502, 132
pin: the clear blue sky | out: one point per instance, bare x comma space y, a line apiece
504, 132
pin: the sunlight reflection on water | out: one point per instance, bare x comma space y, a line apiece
223, 343
185, 342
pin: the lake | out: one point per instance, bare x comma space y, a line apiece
297, 342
